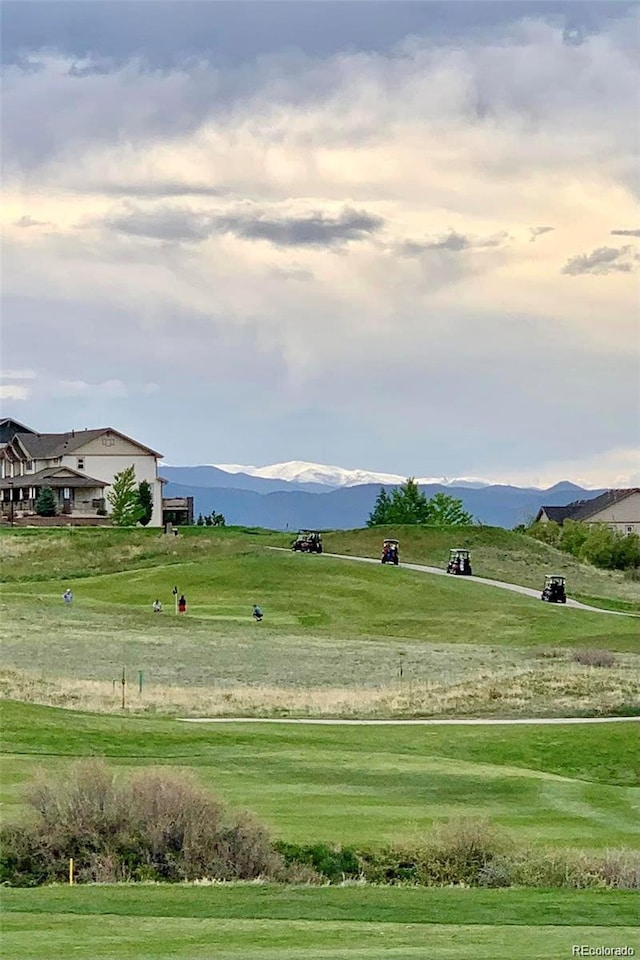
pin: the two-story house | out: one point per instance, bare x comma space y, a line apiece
618, 509
79, 466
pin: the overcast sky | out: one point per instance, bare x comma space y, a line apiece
396, 236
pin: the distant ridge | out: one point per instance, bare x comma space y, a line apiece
301, 471
286, 504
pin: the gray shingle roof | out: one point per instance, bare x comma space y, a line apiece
583, 509
48, 478
44, 446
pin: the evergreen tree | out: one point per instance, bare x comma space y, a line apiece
145, 501
208, 520
46, 503
380, 512
123, 497
200, 521
218, 520
408, 504
445, 511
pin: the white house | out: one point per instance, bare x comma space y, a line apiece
79, 466
618, 509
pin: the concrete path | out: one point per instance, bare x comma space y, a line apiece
409, 723
514, 587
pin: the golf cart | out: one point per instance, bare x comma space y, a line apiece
390, 552
554, 589
308, 541
459, 562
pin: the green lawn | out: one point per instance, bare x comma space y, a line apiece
329, 625
271, 923
570, 786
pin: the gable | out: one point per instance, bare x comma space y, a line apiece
9, 428
110, 443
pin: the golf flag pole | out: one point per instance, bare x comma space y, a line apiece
175, 597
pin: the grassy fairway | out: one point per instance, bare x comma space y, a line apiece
570, 786
334, 637
270, 923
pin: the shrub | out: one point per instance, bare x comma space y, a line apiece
159, 826
336, 864
594, 658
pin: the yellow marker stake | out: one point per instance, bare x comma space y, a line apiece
70, 871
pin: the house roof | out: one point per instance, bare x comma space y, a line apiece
53, 477
583, 509
587, 508
9, 427
43, 446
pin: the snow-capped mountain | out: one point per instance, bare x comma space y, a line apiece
300, 471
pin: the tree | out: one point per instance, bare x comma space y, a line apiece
445, 511
145, 501
123, 497
218, 520
200, 521
380, 512
408, 505
46, 503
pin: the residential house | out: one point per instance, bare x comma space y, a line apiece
79, 466
618, 509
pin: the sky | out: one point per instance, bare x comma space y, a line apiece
403, 237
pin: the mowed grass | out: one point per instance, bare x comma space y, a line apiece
271, 923
338, 638
572, 786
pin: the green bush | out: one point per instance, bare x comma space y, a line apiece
332, 863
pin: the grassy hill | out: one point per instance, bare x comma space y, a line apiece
338, 638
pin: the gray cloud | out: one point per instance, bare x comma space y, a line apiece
162, 224
453, 243
538, 231
625, 233
602, 261
27, 221
156, 189
315, 230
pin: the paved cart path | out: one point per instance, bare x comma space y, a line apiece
514, 587
409, 723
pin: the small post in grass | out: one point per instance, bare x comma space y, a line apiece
175, 597
124, 687
140, 682
70, 871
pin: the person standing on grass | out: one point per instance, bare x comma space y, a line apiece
67, 596
157, 606
257, 613
182, 604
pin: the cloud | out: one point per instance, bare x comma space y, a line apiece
14, 392
27, 221
421, 161
538, 232
313, 230
453, 242
80, 388
601, 261
17, 374
626, 233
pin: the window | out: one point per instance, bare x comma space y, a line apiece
80, 463
629, 529
28, 465
66, 493
108, 441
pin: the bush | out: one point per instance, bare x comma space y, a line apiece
336, 864
594, 658
158, 826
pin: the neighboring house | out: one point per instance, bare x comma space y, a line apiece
79, 466
618, 509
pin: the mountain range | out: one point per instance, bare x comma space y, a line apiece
298, 495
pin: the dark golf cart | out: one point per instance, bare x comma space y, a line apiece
308, 541
390, 552
554, 589
459, 562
